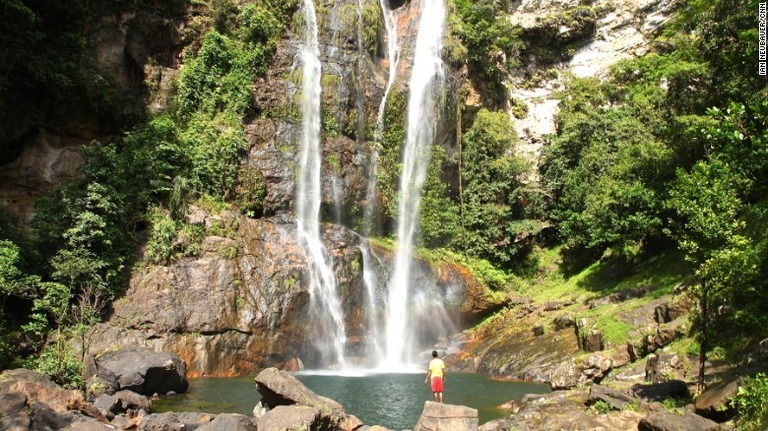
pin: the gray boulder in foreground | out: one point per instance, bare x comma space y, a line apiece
289, 418
174, 421
447, 417
281, 388
143, 371
668, 421
229, 422
716, 402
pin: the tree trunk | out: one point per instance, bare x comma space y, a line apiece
461, 168
704, 337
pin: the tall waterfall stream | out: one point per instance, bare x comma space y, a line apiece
394, 333
426, 87
325, 304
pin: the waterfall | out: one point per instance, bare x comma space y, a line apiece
425, 88
374, 296
393, 58
374, 299
360, 90
325, 304
337, 191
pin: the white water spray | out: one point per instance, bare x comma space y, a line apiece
325, 304
374, 299
425, 85
393, 57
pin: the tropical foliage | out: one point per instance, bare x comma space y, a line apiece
132, 189
491, 44
669, 151
672, 147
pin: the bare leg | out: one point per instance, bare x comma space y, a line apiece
440, 397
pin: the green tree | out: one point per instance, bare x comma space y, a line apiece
607, 172
491, 181
13, 280
492, 44
439, 214
721, 256
721, 220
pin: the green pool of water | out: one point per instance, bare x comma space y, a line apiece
391, 400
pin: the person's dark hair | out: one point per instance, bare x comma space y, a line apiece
434, 353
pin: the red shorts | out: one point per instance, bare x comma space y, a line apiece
437, 384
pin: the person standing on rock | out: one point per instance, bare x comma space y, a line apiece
437, 374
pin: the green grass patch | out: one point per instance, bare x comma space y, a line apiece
481, 269
684, 347
606, 319
663, 272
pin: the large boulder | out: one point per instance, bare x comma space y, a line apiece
564, 376
229, 422
30, 400
668, 421
143, 371
447, 417
289, 418
281, 388
122, 402
616, 399
595, 366
716, 401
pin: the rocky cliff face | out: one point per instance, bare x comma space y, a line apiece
354, 75
243, 303
274, 137
140, 50
565, 38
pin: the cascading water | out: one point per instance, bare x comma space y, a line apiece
393, 58
337, 190
360, 90
325, 304
374, 299
426, 85
374, 293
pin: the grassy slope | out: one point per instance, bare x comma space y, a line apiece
549, 284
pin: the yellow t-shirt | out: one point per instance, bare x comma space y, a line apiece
437, 366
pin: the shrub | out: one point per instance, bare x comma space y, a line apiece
601, 407
251, 191
161, 237
60, 363
752, 404
492, 44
